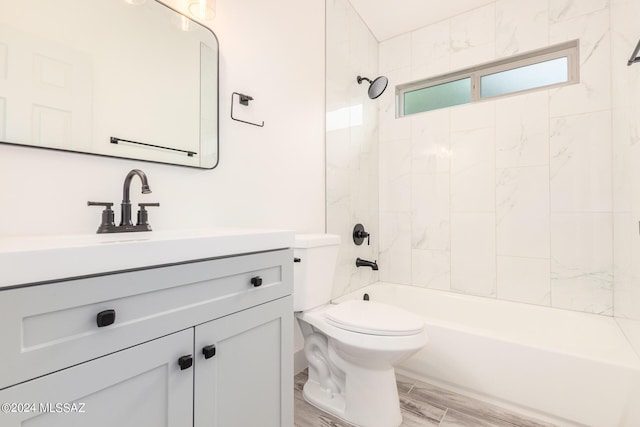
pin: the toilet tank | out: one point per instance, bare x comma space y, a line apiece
313, 275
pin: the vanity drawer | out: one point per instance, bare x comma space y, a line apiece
53, 326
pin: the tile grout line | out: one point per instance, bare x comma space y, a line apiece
443, 417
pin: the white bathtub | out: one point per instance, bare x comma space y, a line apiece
562, 366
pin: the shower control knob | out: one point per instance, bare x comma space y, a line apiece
359, 234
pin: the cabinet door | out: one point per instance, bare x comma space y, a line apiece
249, 380
139, 386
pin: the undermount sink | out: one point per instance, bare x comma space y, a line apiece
37, 259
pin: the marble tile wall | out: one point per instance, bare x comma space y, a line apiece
510, 198
351, 143
625, 34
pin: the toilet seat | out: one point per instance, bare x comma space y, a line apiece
366, 341
373, 318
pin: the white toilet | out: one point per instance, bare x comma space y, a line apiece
351, 347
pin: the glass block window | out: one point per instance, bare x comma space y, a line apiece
551, 67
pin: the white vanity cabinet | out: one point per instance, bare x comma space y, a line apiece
139, 386
55, 350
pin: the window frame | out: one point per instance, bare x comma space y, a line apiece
567, 50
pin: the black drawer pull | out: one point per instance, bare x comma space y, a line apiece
106, 318
185, 362
209, 351
256, 281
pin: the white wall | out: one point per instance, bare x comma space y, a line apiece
267, 177
510, 198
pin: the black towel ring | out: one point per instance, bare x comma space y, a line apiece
243, 100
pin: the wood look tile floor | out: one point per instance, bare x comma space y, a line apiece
422, 405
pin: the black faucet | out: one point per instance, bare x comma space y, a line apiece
125, 211
364, 263
108, 226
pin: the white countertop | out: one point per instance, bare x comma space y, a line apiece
33, 259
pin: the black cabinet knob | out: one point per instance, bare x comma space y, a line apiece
256, 281
106, 318
185, 362
209, 351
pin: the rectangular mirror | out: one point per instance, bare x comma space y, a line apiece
120, 78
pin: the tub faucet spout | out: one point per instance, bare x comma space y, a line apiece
364, 263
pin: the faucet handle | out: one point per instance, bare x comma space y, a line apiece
107, 216
143, 216
359, 234
107, 205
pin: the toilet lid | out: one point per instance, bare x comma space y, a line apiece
373, 318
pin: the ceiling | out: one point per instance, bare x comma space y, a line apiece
389, 18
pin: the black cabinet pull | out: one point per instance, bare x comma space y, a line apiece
209, 351
185, 362
106, 318
256, 281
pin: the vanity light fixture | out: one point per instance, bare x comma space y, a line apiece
202, 9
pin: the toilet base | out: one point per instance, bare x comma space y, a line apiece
323, 399
370, 398
351, 374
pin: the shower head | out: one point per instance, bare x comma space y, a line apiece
376, 87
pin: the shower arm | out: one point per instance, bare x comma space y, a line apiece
634, 56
